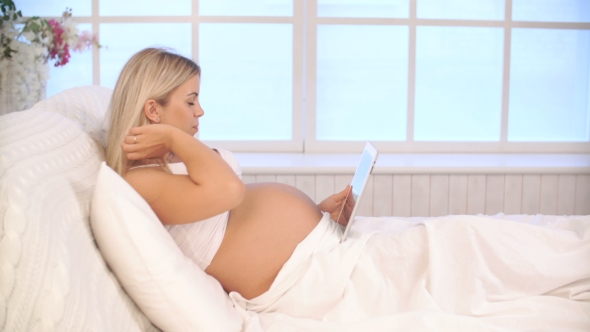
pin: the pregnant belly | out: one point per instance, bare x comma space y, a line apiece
262, 233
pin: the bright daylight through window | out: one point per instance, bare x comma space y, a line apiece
326, 75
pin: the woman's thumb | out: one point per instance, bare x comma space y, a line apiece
343, 193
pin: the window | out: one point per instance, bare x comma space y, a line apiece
325, 75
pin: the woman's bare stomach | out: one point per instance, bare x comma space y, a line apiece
262, 233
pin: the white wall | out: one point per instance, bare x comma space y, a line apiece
439, 194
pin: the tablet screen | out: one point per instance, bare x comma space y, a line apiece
361, 174
359, 181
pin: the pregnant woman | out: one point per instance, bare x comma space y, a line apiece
240, 234
277, 253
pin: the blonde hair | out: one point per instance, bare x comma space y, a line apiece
153, 73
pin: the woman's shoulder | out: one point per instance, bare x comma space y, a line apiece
145, 179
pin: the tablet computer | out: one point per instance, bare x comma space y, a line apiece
359, 182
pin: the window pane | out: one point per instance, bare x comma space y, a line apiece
549, 88
461, 9
364, 8
122, 40
551, 10
77, 72
246, 85
458, 84
362, 82
246, 8
145, 8
54, 7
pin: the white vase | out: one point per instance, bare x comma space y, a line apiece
23, 82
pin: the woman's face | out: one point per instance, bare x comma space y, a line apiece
184, 110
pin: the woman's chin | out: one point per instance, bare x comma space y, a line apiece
194, 131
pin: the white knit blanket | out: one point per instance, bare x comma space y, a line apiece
52, 276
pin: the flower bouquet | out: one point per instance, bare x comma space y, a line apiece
27, 46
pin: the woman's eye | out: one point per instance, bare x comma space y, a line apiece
191, 104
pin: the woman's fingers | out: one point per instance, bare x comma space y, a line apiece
130, 143
135, 150
348, 211
348, 205
339, 205
146, 142
130, 139
343, 193
131, 151
340, 197
350, 200
137, 130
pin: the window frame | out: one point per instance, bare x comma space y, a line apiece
411, 146
305, 23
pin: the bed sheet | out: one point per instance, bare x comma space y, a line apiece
454, 273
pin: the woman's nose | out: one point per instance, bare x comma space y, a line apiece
199, 112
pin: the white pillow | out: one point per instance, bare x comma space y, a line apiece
86, 105
170, 289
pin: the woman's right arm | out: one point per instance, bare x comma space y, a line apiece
210, 188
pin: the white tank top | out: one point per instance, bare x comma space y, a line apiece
200, 240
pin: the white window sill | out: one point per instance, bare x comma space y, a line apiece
407, 163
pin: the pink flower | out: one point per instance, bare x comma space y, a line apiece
59, 49
59, 37
85, 40
65, 56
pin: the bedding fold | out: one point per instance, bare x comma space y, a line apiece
438, 274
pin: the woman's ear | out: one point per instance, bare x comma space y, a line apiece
152, 111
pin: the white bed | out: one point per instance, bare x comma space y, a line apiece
456, 273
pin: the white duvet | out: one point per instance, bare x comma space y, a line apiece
457, 273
